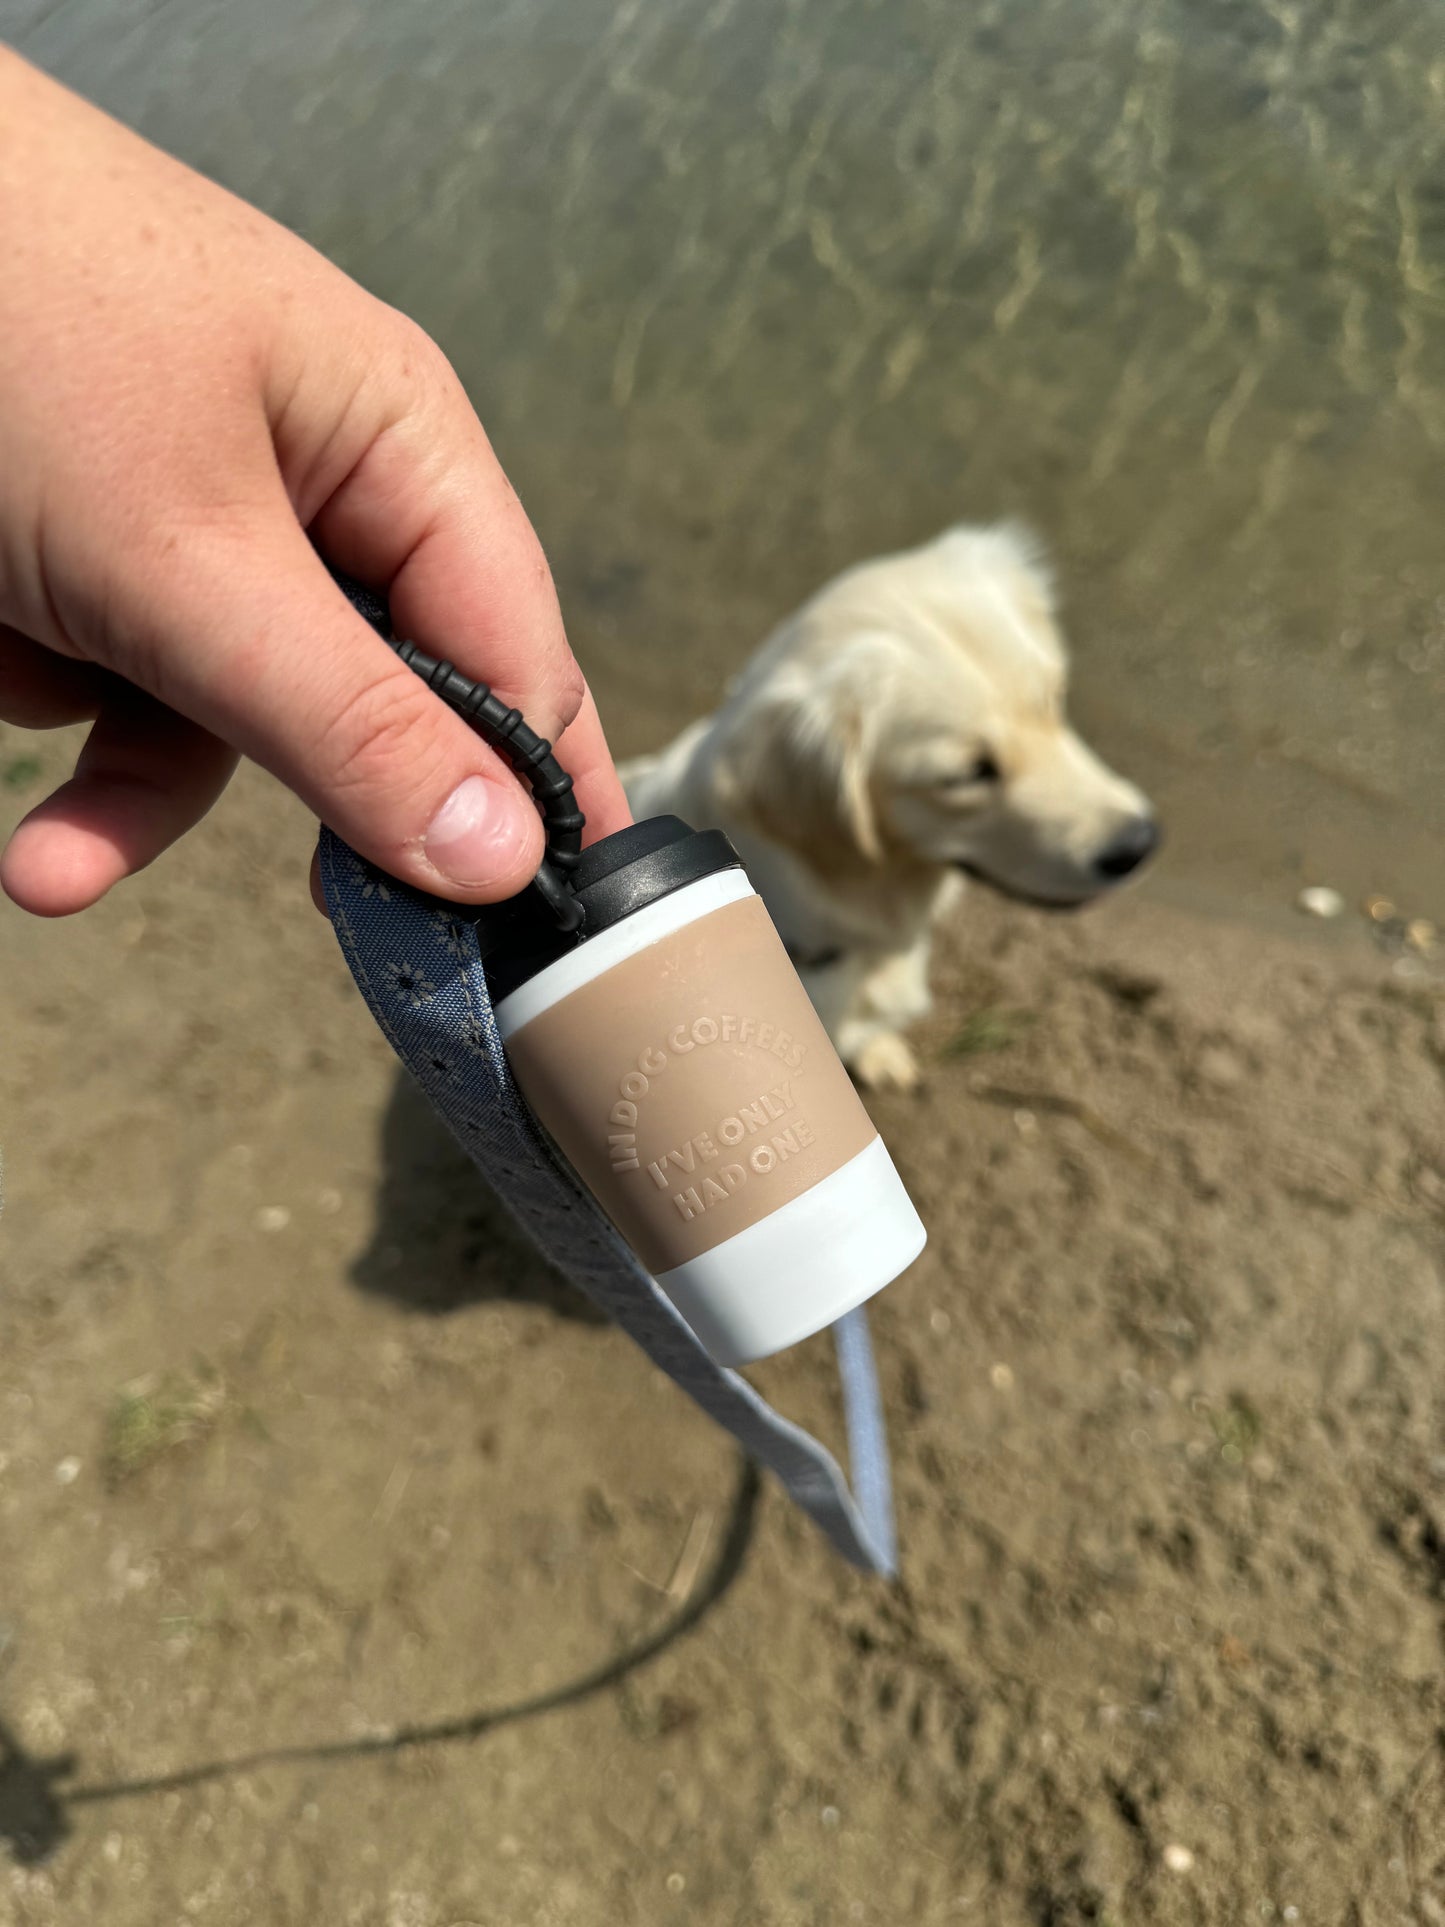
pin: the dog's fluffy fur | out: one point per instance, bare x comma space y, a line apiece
904, 727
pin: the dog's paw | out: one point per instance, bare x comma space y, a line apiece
886, 1063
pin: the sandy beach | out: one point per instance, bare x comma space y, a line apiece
303, 1451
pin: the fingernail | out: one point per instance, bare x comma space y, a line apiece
479, 834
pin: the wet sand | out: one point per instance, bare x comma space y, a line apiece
349, 1571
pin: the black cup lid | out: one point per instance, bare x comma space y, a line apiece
613, 879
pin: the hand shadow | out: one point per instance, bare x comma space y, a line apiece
442, 1237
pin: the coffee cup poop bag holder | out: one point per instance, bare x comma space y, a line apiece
418, 962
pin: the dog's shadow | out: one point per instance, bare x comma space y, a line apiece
442, 1238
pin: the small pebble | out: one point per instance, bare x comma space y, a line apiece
1001, 1378
1026, 1124
67, 1472
830, 1816
273, 1217
1220, 1066
1420, 933
675, 1883
1320, 901
939, 1322
1379, 909
1178, 1859
329, 1201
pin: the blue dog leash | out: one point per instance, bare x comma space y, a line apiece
417, 963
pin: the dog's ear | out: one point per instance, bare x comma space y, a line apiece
799, 770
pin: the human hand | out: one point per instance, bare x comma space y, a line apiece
189, 397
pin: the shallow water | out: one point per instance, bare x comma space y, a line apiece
746, 291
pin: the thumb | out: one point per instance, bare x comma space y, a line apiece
260, 645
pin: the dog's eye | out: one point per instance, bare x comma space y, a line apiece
983, 769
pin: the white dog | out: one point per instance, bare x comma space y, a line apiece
906, 725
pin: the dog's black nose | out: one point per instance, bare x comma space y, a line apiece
1128, 849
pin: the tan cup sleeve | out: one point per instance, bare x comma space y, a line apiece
692, 1087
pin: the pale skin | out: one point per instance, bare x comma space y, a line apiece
190, 398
